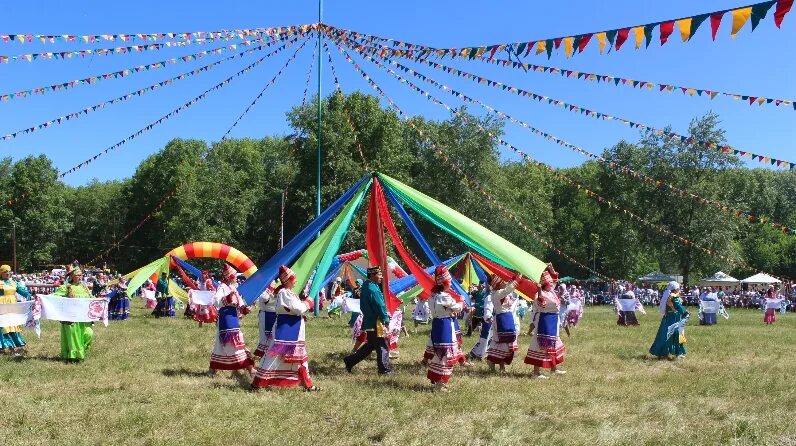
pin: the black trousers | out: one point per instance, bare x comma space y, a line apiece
374, 343
474, 322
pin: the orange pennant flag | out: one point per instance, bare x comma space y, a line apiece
540, 47
639, 32
568, 41
685, 28
601, 40
739, 19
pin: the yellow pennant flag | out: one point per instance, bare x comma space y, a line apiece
739, 19
601, 40
685, 28
568, 41
639, 32
540, 47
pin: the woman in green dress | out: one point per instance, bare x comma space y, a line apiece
670, 339
75, 336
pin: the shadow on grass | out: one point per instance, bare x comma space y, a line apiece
45, 358
184, 372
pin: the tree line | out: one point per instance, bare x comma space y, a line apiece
232, 192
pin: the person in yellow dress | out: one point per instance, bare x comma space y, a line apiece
11, 339
75, 336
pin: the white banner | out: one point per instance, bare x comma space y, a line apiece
627, 304
67, 309
351, 305
200, 297
148, 294
15, 314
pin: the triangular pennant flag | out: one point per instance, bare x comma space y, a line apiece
715, 21
666, 30
584, 40
783, 7
759, 12
568, 41
739, 19
601, 41
696, 21
621, 37
648, 33
638, 31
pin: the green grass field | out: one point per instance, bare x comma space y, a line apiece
144, 383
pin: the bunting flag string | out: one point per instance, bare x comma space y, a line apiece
595, 114
128, 71
151, 37
174, 192
62, 55
440, 154
75, 115
615, 167
260, 95
389, 52
309, 76
652, 86
612, 39
578, 185
347, 114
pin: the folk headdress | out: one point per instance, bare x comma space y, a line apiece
546, 279
286, 274
229, 272
671, 288
374, 270
441, 275
496, 282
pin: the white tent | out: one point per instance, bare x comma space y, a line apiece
761, 279
719, 279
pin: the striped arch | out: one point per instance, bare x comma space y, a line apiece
213, 250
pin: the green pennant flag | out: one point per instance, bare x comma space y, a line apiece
648, 32
759, 12
611, 35
469, 232
336, 239
520, 48
548, 44
695, 22
311, 257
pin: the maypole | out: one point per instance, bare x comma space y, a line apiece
320, 62
316, 310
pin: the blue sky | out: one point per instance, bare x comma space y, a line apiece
760, 63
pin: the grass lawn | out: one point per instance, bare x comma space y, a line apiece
144, 383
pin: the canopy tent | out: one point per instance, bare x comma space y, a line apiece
567, 279
655, 276
719, 279
320, 245
761, 279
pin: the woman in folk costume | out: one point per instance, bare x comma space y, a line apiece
546, 349
286, 363
229, 351
119, 303
626, 306
266, 318
575, 307
445, 347
76, 337
503, 342
11, 339
421, 313
478, 351
205, 313
772, 303
359, 335
165, 301
670, 339
709, 305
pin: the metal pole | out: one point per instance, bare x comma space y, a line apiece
14, 245
282, 222
320, 62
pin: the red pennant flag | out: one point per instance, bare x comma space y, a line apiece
666, 30
783, 7
584, 40
558, 42
621, 37
715, 21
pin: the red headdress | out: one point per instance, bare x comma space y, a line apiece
546, 278
442, 275
229, 272
285, 274
495, 282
